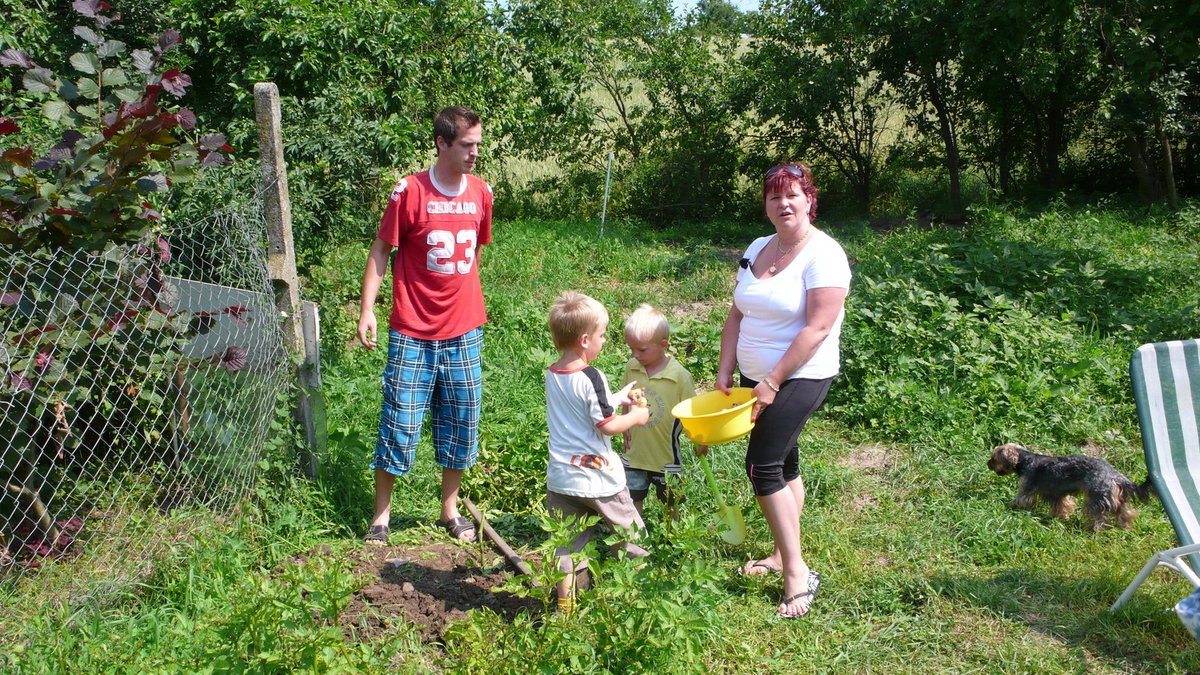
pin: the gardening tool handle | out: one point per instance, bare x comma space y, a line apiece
510, 555
712, 481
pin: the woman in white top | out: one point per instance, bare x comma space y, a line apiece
782, 334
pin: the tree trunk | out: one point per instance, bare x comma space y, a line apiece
949, 138
862, 187
1005, 163
1056, 124
1147, 186
862, 192
1055, 129
1168, 168
1186, 155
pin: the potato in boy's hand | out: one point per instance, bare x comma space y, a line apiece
625, 396
638, 397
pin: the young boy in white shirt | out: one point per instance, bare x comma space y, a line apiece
584, 476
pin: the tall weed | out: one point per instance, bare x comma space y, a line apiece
662, 616
1016, 326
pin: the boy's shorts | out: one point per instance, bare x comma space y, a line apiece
442, 377
616, 510
639, 481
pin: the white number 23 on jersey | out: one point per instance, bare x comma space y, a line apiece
442, 246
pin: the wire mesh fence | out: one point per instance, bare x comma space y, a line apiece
138, 387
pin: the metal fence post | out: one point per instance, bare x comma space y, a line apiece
281, 265
607, 182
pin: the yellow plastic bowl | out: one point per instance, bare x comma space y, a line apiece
714, 418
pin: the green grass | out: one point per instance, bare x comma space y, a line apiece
1016, 327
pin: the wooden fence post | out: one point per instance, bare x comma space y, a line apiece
281, 266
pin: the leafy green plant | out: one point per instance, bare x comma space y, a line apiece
560, 533
656, 613
121, 143
1012, 327
285, 623
91, 334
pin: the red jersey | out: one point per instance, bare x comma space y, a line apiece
436, 292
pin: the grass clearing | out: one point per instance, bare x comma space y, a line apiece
1017, 327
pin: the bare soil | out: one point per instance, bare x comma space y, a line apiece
427, 585
698, 311
868, 458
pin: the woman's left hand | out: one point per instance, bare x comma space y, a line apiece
766, 396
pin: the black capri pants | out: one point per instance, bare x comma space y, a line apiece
773, 456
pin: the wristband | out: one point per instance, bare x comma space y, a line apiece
770, 385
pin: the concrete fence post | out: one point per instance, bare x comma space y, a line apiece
281, 264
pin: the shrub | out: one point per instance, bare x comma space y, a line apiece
120, 147
89, 332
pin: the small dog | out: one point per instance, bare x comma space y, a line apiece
1056, 479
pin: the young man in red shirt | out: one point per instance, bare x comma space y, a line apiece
435, 221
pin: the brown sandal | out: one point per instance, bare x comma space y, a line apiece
377, 535
456, 527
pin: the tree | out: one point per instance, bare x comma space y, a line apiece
360, 82
576, 53
917, 51
625, 76
689, 82
1030, 70
1153, 51
813, 90
718, 17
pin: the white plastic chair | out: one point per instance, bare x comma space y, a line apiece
1166, 389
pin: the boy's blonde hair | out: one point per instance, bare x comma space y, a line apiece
647, 323
574, 315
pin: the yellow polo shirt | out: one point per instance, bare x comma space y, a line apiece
655, 446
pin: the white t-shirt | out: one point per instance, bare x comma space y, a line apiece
582, 460
774, 308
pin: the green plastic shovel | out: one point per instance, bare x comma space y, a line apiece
733, 526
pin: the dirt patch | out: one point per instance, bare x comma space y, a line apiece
698, 311
870, 458
730, 254
862, 502
428, 586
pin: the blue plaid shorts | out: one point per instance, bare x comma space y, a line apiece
443, 377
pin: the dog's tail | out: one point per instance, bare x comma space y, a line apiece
1141, 492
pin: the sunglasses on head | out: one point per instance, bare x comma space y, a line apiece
791, 169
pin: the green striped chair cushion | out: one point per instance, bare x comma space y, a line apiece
1166, 389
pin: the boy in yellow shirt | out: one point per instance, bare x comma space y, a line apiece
652, 451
